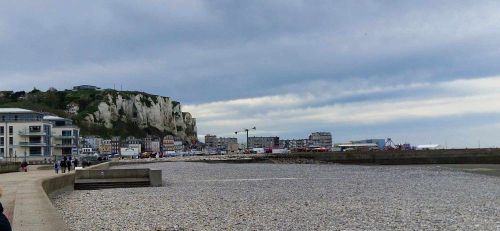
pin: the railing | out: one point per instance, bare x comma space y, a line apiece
64, 145
32, 144
32, 133
63, 137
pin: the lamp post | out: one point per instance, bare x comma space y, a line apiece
246, 130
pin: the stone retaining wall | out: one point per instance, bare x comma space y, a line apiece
9, 167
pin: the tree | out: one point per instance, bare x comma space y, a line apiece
35, 91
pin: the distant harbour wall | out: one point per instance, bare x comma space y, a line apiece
444, 156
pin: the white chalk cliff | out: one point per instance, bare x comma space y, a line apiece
146, 111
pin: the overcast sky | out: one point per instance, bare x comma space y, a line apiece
416, 71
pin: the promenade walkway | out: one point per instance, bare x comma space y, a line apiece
26, 204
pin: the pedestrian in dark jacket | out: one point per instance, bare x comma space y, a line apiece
63, 166
4, 222
68, 164
75, 162
24, 166
56, 167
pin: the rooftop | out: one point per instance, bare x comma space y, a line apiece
15, 110
53, 118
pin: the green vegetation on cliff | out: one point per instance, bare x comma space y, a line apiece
56, 102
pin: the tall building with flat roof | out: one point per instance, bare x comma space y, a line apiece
263, 142
223, 143
211, 141
321, 139
116, 144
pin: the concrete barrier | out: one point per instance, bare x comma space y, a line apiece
9, 167
109, 178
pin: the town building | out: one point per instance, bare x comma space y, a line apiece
151, 144
105, 147
298, 144
211, 141
223, 143
321, 140
85, 87
233, 148
214, 143
72, 108
115, 145
379, 142
155, 146
168, 143
179, 144
284, 143
92, 142
263, 142
133, 143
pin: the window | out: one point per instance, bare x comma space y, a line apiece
35, 151
35, 128
2, 152
66, 151
67, 141
66, 133
11, 140
2, 130
2, 141
11, 130
35, 139
15, 118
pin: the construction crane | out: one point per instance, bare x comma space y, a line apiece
245, 130
390, 145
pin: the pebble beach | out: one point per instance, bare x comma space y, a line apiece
204, 196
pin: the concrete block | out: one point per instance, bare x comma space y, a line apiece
155, 178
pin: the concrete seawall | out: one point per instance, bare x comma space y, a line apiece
33, 208
9, 167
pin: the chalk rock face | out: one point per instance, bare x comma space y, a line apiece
147, 111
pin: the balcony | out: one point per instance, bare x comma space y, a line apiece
31, 133
59, 137
64, 146
32, 144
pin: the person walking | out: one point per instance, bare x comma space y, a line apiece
68, 164
4, 222
56, 167
76, 163
24, 166
63, 166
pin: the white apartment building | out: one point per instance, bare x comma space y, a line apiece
64, 136
23, 133
31, 135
